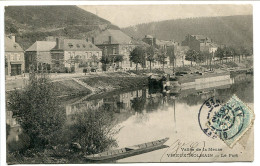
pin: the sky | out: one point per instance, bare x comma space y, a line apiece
130, 15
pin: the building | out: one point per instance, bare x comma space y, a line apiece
197, 42
14, 57
149, 40
76, 54
115, 42
168, 46
180, 53
39, 55
213, 48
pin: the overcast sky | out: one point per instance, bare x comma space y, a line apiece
128, 15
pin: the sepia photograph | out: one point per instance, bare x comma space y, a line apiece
129, 83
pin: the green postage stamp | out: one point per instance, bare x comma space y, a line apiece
231, 121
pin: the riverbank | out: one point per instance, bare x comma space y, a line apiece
82, 85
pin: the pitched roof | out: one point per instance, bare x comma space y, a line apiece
117, 37
166, 42
76, 45
201, 37
148, 36
42, 46
12, 46
213, 45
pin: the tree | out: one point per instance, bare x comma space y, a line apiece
38, 111
105, 61
137, 55
72, 61
191, 55
162, 56
245, 52
202, 56
172, 56
150, 51
94, 59
220, 54
93, 130
116, 58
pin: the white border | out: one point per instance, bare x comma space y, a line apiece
256, 16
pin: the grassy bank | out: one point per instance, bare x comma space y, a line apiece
108, 83
86, 84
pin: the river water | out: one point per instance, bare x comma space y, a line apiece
146, 114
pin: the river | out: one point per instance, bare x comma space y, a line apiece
146, 114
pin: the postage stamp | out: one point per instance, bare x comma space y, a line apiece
231, 121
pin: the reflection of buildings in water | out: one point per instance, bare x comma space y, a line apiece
117, 103
15, 128
240, 77
83, 106
73, 109
125, 99
207, 94
214, 84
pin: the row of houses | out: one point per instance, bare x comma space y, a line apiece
58, 53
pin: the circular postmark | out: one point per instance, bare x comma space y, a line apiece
228, 121
221, 120
206, 111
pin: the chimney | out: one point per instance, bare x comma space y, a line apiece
93, 40
58, 43
109, 39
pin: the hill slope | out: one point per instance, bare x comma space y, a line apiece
229, 30
31, 23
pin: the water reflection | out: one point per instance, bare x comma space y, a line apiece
142, 115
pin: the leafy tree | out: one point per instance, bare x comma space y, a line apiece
191, 55
38, 110
94, 59
93, 130
244, 51
172, 56
220, 54
116, 58
150, 52
202, 56
110, 59
105, 61
137, 55
162, 56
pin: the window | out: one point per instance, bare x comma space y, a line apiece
72, 55
18, 57
114, 50
84, 45
97, 54
86, 55
90, 54
11, 57
15, 56
70, 45
78, 45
